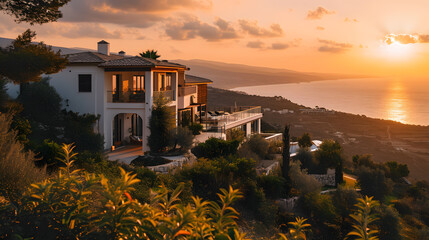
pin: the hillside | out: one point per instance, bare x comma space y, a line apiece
385, 140
228, 75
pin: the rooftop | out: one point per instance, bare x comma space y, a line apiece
114, 60
196, 80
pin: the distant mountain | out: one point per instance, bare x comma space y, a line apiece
4, 42
228, 75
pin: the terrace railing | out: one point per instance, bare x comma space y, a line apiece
169, 94
188, 90
222, 120
130, 96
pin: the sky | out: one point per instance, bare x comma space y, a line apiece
374, 37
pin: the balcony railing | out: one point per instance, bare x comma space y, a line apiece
188, 90
130, 96
168, 94
220, 119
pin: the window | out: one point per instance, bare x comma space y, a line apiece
85, 82
138, 83
168, 80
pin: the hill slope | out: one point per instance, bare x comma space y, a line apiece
227, 75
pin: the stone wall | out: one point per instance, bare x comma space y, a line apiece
327, 179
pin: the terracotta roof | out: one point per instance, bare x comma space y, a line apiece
91, 57
113, 60
195, 79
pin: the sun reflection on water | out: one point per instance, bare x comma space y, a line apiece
396, 106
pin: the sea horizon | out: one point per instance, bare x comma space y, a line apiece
398, 99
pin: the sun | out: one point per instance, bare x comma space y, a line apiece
396, 50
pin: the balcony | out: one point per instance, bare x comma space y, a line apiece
130, 96
188, 90
168, 94
230, 117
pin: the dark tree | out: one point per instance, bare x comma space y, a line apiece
161, 123
150, 54
305, 141
286, 156
330, 155
24, 62
373, 182
4, 98
33, 11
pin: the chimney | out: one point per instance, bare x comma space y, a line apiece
103, 47
121, 53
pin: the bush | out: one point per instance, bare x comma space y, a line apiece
275, 147
78, 205
301, 181
79, 128
17, 168
309, 162
196, 128
147, 161
235, 134
183, 137
373, 182
272, 185
256, 147
47, 153
305, 141
215, 147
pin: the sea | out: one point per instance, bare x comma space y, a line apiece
398, 99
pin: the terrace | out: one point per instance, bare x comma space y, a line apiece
221, 119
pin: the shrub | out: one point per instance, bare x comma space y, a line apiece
235, 134
309, 162
305, 141
79, 128
275, 147
147, 161
196, 128
373, 182
272, 185
301, 181
78, 205
183, 137
47, 153
255, 145
215, 147
17, 168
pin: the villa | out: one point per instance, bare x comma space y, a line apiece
120, 89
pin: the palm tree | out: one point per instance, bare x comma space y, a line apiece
150, 54
363, 218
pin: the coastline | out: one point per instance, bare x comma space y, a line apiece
354, 98
386, 140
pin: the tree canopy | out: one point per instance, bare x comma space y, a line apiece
24, 61
33, 11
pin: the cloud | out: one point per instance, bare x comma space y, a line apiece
252, 28
318, 13
320, 28
68, 30
255, 44
192, 27
97, 11
158, 5
406, 38
279, 46
350, 20
273, 46
333, 47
